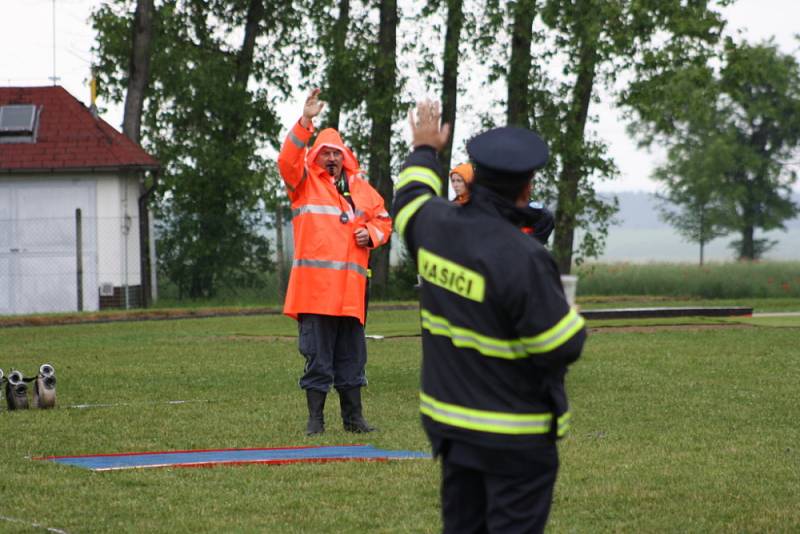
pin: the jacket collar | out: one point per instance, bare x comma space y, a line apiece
490, 202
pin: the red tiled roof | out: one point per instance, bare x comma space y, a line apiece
68, 137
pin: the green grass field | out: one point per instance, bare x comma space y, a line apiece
688, 430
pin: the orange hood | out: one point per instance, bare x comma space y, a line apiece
329, 137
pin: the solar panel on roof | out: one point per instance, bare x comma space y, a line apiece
17, 118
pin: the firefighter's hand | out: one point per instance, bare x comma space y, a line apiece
312, 107
362, 237
426, 128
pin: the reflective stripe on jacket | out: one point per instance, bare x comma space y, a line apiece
329, 271
497, 332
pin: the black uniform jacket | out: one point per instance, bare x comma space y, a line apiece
497, 332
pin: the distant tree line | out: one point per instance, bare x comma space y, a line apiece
202, 80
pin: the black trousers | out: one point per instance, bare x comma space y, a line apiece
483, 492
335, 351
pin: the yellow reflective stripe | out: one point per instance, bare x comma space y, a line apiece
509, 349
484, 421
408, 211
563, 424
555, 336
466, 338
450, 275
419, 174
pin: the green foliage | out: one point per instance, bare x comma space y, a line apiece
204, 124
403, 280
602, 39
729, 135
711, 281
691, 185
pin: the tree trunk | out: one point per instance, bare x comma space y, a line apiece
252, 28
571, 170
381, 111
747, 249
702, 233
519, 69
455, 19
702, 245
749, 206
280, 255
139, 70
337, 78
144, 239
138, 80
244, 66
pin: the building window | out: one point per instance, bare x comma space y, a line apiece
18, 123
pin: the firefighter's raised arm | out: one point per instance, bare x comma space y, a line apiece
426, 127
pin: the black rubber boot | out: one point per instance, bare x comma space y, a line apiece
316, 412
353, 419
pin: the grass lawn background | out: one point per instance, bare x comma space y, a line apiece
675, 430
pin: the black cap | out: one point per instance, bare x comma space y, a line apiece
509, 150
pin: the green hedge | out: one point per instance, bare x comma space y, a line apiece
711, 281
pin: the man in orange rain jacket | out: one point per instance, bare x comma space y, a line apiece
337, 219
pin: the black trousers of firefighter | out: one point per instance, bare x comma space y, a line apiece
335, 351
498, 491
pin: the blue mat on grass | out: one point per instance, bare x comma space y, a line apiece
208, 458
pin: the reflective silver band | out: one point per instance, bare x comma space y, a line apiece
335, 265
316, 208
295, 140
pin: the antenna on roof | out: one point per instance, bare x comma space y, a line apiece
93, 93
54, 77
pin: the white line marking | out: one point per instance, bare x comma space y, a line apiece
34, 525
111, 405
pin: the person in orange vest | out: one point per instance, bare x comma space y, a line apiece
337, 218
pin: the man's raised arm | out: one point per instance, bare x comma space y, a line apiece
420, 180
291, 160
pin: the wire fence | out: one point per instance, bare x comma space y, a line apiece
62, 264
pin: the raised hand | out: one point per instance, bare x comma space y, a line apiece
426, 128
312, 107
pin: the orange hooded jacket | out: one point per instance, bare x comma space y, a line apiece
329, 270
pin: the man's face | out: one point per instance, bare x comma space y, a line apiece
331, 160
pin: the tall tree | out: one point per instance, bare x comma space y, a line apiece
692, 201
450, 61
138, 70
205, 119
518, 105
338, 82
382, 107
600, 39
138, 81
750, 108
762, 110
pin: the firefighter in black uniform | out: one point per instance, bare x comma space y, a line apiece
497, 332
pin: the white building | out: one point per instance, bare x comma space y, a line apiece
60, 164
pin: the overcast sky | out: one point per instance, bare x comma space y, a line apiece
27, 58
